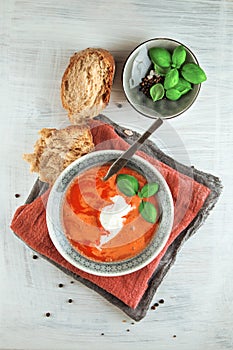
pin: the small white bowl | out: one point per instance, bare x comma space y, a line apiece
136, 67
55, 221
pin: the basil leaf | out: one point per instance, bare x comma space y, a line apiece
157, 92
193, 73
171, 79
139, 194
160, 70
183, 86
127, 184
178, 56
149, 189
160, 56
184, 91
148, 211
173, 94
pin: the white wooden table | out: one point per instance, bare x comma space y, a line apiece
36, 41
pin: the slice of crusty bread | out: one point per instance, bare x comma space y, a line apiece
56, 149
86, 84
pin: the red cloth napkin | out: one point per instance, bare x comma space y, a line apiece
29, 221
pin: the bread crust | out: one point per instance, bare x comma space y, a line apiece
97, 86
56, 149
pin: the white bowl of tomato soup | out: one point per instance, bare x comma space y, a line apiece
113, 227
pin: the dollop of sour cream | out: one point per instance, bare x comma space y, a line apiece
112, 218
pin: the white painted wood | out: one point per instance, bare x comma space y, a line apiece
36, 40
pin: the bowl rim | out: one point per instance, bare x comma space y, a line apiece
123, 72
58, 236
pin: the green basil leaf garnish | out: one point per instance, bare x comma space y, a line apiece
139, 194
149, 189
127, 184
157, 92
160, 56
173, 94
148, 211
193, 73
178, 56
171, 79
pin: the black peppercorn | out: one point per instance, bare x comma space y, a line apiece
148, 81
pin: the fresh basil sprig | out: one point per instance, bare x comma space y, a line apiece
157, 92
160, 56
148, 211
178, 74
149, 190
129, 186
161, 71
173, 94
178, 56
171, 79
193, 73
183, 86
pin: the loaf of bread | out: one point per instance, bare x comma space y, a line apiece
56, 149
86, 84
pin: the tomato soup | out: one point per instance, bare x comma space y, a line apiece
101, 222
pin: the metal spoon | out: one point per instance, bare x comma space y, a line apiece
125, 157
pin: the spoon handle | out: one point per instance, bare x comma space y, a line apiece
125, 157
